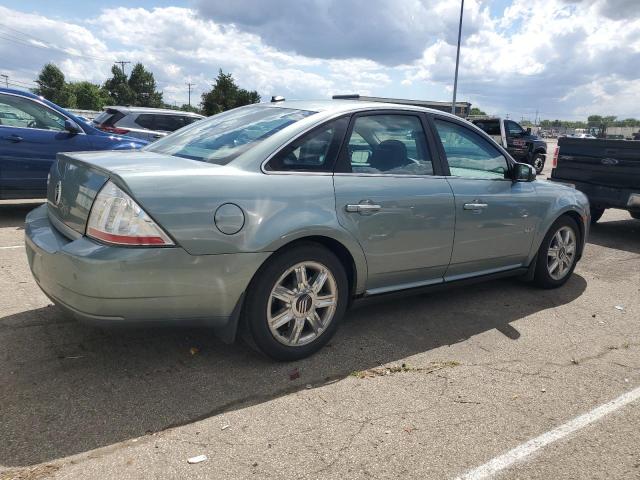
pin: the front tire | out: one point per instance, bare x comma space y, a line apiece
558, 254
296, 302
537, 162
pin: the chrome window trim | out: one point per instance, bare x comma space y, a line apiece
48, 108
386, 175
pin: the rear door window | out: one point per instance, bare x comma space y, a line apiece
314, 152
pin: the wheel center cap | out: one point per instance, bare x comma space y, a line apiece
303, 304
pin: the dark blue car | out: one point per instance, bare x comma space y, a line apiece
32, 131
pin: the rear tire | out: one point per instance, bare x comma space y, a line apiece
558, 254
296, 302
596, 214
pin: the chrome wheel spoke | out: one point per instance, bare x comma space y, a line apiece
283, 294
553, 252
554, 266
325, 301
314, 320
301, 276
319, 281
281, 319
296, 331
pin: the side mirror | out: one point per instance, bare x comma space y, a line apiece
71, 126
528, 130
523, 172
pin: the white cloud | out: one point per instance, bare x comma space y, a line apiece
564, 58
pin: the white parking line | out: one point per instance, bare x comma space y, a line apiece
12, 247
519, 453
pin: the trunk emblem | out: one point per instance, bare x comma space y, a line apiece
57, 193
609, 161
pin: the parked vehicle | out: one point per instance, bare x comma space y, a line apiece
147, 124
32, 131
606, 171
520, 143
275, 216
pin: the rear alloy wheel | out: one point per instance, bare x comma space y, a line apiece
596, 214
538, 163
558, 254
295, 303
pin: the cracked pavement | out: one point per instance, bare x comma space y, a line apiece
486, 368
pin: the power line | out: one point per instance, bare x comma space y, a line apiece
42, 44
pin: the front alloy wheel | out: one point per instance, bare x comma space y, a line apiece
558, 253
302, 304
561, 253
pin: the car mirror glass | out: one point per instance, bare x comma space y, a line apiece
523, 172
71, 126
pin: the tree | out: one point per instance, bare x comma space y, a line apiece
52, 86
476, 111
89, 96
143, 86
118, 89
226, 95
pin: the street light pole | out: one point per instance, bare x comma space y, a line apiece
455, 81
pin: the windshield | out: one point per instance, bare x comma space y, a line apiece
223, 137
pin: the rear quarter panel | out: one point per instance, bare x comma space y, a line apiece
278, 210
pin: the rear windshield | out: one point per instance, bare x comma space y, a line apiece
491, 127
223, 137
108, 118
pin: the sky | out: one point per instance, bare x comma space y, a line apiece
563, 59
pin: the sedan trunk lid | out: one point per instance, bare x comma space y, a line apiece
76, 178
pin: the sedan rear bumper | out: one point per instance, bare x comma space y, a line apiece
104, 284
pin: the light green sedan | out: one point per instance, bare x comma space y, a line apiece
272, 218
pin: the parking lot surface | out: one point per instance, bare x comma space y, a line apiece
426, 386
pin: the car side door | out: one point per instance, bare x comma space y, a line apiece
495, 216
29, 144
392, 197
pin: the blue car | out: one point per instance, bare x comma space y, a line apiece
32, 131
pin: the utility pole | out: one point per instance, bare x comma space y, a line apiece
6, 80
122, 64
455, 81
189, 85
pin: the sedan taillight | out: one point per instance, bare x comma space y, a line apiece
116, 130
117, 219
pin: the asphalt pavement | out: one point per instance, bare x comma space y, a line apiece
427, 386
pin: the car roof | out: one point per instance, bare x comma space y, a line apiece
346, 106
128, 109
20, 92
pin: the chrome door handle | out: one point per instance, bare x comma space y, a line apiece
475, 206
363, 208
14, 138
